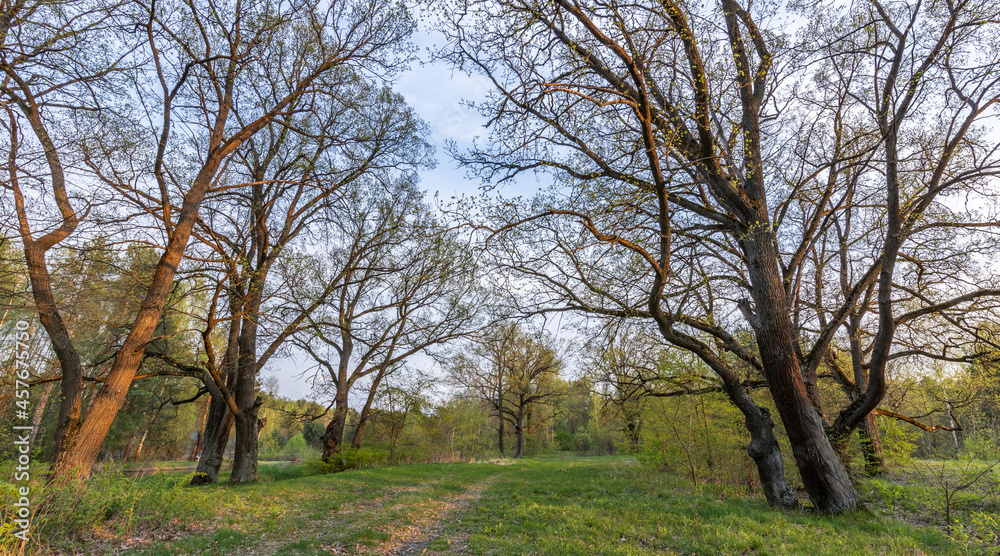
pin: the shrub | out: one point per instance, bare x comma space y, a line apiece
351, 458
897, 442
297, 448
980, 445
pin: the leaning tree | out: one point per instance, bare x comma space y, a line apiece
667, 128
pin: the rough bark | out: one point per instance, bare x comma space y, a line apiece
216, 437
500, 433
333, 436
81, 446
359, 431
519, 431
247, 426
871, 446
763, 447
245, 456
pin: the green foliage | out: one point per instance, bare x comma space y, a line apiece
958, 497
564, 439
351, 458
699, 437
983, 444
312, 433
897, 442
297, 449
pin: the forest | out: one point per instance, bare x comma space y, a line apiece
708, 261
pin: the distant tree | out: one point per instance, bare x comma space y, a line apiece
512, 372
403, 285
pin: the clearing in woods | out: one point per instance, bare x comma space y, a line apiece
583, 506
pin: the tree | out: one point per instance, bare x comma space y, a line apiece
403, 285
46, 84
665, 130
199, 83
301, 173
512, 372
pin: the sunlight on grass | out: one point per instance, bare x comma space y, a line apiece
582, 506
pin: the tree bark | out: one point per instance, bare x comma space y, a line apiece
763, 447
871, 446
333, 437
40, 412
366, 410
216, 437
219, 421
78, 452
519, 431
823, 475
500, 433
247, 400
199, 443
128, 448
245, 457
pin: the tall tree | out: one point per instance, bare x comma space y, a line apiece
663, 125
404, 285
46, 84
198, 106
299, 173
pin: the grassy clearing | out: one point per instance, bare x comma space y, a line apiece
544, 506
600, 507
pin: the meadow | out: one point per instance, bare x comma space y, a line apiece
571, 506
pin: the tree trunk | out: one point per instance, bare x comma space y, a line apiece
333, 437
128, 448
871, 446
500, 432
248, 402
823, 475
519, 431
142, 441
366, 410
78, 452
245, 458
632, 432
216, 437
71, 384
39, 413
764, 449
199, 443
219, 420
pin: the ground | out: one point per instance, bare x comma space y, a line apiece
583, 506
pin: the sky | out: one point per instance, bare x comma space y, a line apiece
436, 93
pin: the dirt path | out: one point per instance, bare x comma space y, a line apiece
417, 538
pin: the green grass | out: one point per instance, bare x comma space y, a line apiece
543, 506
597, 506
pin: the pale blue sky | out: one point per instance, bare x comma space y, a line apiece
436, 93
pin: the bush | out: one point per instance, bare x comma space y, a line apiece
297, 448
351, 458
565, 440
981, 445
897, 442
